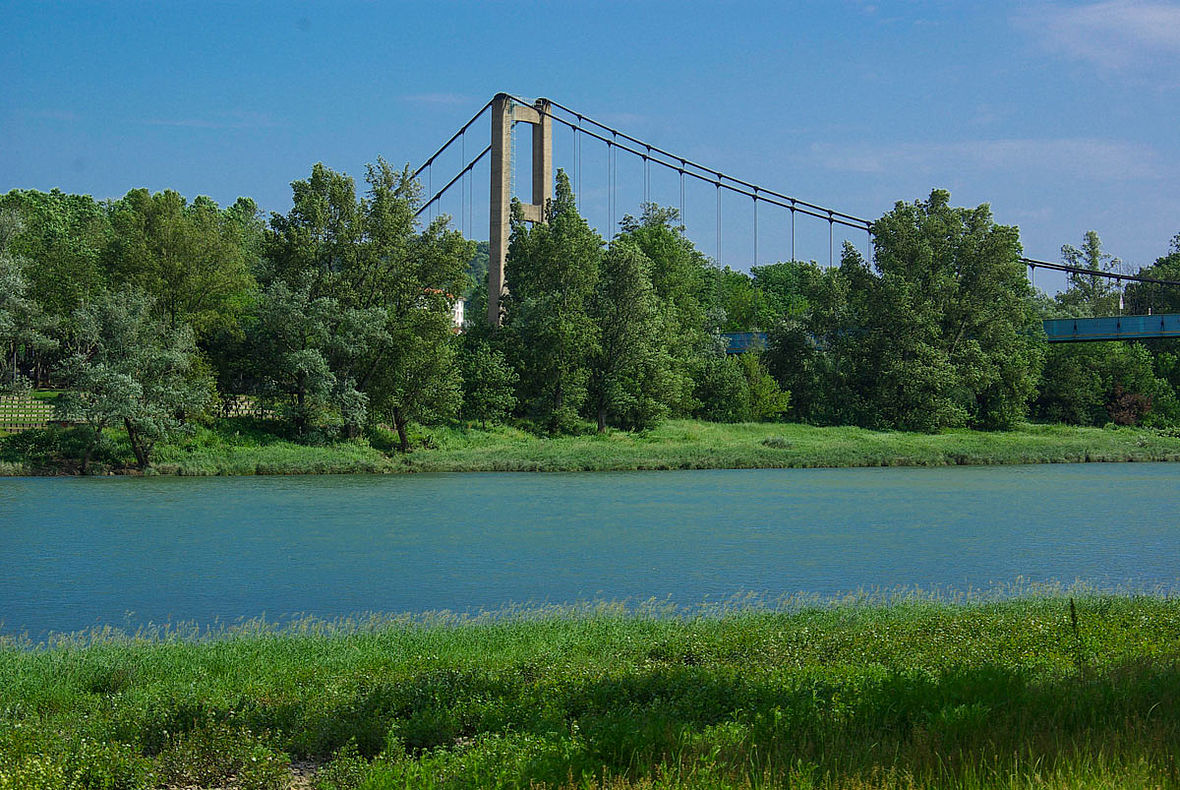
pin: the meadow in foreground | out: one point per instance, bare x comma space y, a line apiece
917, 693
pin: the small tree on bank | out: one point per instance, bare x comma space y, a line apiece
132, 368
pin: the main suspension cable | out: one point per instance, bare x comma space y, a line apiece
434, 198
714, 177
715, 174
455, 136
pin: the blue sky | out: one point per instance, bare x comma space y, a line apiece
1063, 116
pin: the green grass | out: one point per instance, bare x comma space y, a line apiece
914, 693
241, 446
687, 444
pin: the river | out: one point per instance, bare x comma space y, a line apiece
82, 552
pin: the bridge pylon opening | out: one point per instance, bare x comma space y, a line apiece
506, 113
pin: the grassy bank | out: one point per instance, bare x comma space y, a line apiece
246, 447
914, 694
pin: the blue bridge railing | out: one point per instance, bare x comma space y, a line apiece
1058, 330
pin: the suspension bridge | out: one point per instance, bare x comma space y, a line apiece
696, 190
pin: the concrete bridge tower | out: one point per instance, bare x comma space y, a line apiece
505, 114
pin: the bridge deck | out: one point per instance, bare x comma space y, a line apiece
1124, 327
1058, 330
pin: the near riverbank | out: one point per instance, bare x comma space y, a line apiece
1032, 692
247, 447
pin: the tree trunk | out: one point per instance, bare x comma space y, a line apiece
90, 450
399, 422
141, 448
602, 418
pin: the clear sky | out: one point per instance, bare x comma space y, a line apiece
1063, 116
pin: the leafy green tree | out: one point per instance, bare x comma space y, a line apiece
1097, 383
60, 241
131, 367
735, 295
392, 288
802, 369
782, 287
552, 269
629, 371
941, 331
1144, 298
767, 399
289, 341
192, 259
972, 285
62, 237
679, 277
722, 391
1087, 295
22, 323
489, 384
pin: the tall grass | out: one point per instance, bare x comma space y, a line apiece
868, 692
241, 446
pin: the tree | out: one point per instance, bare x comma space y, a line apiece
133, 368
1144, 298
735, 294
22, 324
940, 331
1097, 383
489, 384
1087, 295
59, 240
680, 281
552, 269
722, 392
288, 342
767, 400
392, 289
192, 259
782, 287
629, 369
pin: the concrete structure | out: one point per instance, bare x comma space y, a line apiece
505, 114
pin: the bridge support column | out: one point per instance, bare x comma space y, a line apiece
506, 113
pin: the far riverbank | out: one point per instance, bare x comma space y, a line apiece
245, 447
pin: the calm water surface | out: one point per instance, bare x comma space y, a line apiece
81, 552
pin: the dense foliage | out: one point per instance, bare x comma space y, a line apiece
336, 320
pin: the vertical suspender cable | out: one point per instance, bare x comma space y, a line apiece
647, 177
755, 226
610, 189
792, 231
831, 233
614, 183
463, 187
578, 137
682, 221
718, 223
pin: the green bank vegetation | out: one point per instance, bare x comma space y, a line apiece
244, 446
913, 693
154, 315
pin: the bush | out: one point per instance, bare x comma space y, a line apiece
722, 391
211, 755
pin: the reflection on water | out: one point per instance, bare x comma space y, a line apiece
80, 552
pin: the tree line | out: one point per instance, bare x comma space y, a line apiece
151, 311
